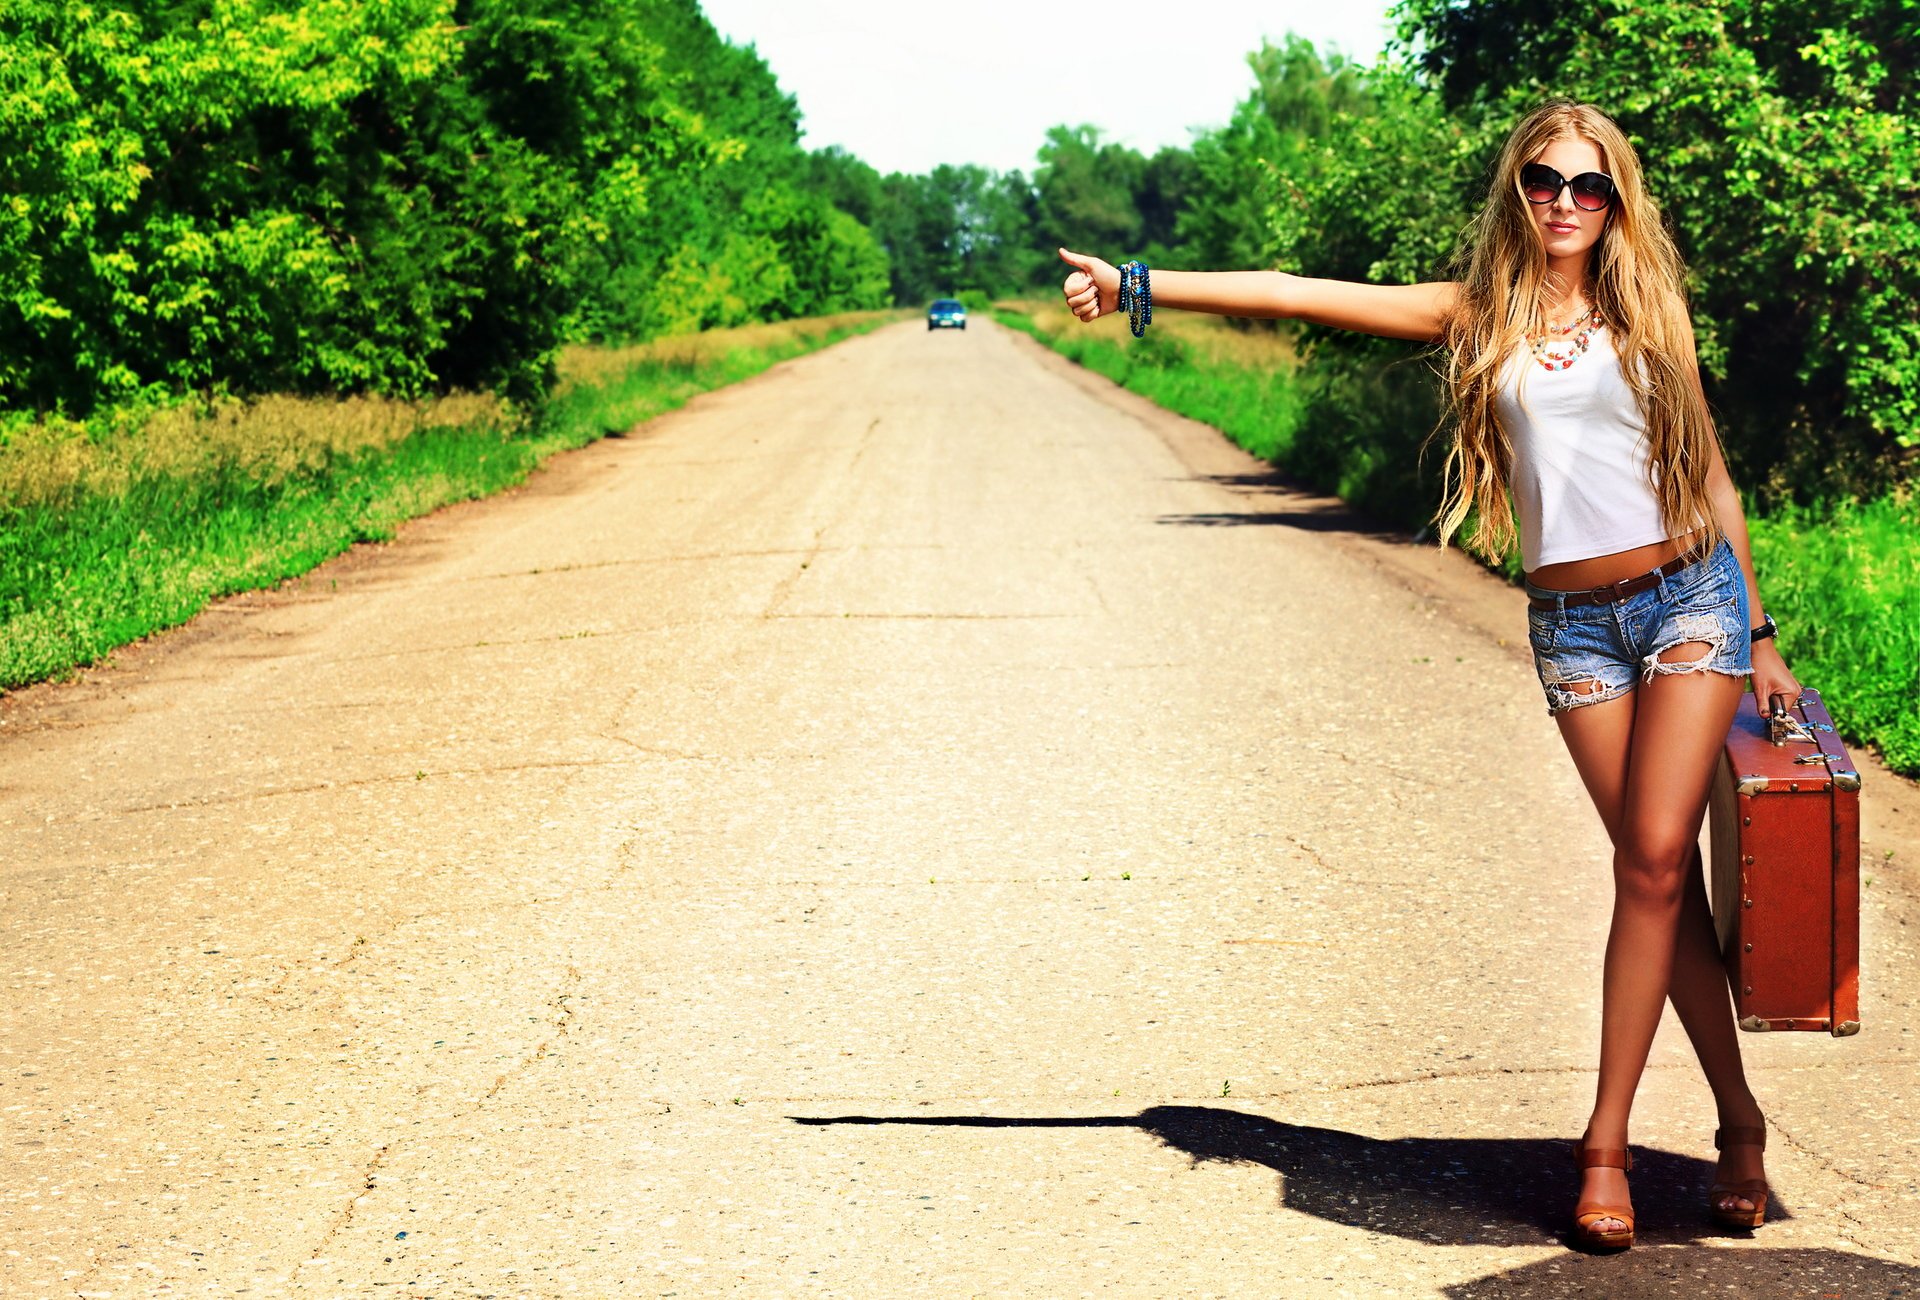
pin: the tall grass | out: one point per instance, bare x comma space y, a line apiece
1242, 382
122, 526
1842, 580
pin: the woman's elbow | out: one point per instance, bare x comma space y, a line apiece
1281, 296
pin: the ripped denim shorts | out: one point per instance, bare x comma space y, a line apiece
1605, 647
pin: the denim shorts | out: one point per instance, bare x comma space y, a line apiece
1613, 644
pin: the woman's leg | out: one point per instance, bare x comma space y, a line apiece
1702, 998
1647, 759
1598, 739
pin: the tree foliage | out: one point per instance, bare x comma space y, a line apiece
1780, 143
958, 229
419, 195
1255, 164
1780, 140
327, 195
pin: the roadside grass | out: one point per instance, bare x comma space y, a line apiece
119, 527
1842, 580
1242, 382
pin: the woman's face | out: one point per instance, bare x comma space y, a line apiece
1567, 230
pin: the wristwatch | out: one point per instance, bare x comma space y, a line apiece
1766, 629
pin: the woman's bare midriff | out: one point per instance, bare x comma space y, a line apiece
1581, 575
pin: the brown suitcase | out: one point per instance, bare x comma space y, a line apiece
1786, 870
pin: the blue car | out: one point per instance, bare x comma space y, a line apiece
946, 313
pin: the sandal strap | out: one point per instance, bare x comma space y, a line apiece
1747, 1187
1587, 1213
1596, 1158
1739, 1136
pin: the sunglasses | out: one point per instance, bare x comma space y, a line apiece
1592, 191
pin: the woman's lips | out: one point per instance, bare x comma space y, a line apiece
1561, 227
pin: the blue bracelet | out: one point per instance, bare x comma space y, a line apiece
1136, 296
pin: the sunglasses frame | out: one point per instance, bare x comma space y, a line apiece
1611, 191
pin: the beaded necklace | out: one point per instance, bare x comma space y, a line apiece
1586, 323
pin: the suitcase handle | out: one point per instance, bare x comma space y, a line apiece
1783, 727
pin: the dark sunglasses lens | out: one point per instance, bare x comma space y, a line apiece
1540, 183
1592, 191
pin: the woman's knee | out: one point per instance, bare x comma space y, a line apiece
1653, 868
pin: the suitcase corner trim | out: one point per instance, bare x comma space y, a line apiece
1762, 1024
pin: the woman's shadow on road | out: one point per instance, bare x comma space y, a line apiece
1488, 1192
1457, 1191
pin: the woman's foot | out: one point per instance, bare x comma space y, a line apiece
1603, 1217
1607, 1187
1738, 1198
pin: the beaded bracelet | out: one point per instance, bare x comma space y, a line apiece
1136, 296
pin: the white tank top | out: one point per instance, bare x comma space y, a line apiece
1579, 457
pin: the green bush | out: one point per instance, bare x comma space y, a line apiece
1780, 139
1780, 143
323, 196
262, 196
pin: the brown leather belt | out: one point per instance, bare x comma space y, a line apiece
1615, 590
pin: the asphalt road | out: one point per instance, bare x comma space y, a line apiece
919, 822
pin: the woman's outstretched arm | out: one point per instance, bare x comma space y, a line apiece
1398, 311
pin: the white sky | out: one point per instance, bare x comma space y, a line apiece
908, 84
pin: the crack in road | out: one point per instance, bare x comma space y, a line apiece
784, 588
1786, 1135
344, 1220
401, 778
562, 1024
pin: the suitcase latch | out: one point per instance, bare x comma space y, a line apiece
1783, 728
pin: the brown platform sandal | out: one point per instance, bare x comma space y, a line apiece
1751, 1189
1588, 1213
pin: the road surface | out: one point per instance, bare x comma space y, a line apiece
918, 822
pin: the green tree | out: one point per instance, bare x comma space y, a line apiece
1086, 190
1780, 140
920, 230
1255, 162
327, 195
742, 232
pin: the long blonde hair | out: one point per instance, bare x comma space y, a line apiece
1638, 285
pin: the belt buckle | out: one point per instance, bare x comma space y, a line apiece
1612, 591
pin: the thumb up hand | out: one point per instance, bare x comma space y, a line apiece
1093, 289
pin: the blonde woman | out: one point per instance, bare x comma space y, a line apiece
1574, 386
